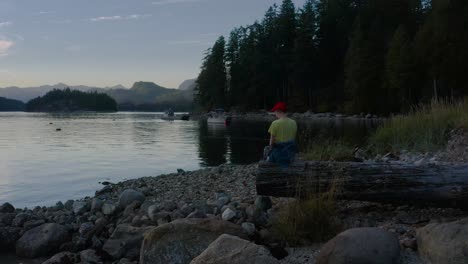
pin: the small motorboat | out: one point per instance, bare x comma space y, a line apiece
219, 116
168, 115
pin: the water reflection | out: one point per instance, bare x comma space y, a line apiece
243, 141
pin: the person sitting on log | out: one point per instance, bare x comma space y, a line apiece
282, 148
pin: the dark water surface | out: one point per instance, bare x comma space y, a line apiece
40, 166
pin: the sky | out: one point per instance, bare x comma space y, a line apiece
109, 42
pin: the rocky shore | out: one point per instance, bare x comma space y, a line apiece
214, 216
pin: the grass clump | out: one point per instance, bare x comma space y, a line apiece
310, 219
335, 150
423, 129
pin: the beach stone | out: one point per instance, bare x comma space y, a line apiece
89, 256
263, 203
233, 250
129, 196
8, 238
186, 209
80, 207
32, 224
85, 228
104, 190
249, 228
182, 240
63, 258
108, 208
69, 205
42, 240
7, 218
59, 206
20, 219
126, 261
169, 205
361, 245
197, 214
228, 214
444, 242
125, 242
7, 208
96, 205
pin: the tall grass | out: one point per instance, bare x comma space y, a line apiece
326, 149
308, 218
424, 129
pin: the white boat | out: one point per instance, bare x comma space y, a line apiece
219, 117
168, 115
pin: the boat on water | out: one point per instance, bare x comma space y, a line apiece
168, 115
219, 116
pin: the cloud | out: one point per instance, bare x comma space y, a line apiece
45, 12
114, 18
5, 46
170, 2
106, 18
5, 24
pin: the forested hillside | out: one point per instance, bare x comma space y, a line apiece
10, 105
71, 100
378, 56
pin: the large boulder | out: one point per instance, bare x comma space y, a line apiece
125, 242
233, 250
42, 240
129, 196
7, 208
182, 240
8, 238
361, 245
444, 243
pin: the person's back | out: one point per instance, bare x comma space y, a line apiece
284, 130
282, 148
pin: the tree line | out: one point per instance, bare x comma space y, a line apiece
71, 100
378, 56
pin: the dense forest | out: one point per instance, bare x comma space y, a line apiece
68, 100
10, 105
352, 56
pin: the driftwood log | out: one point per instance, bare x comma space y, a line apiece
436, 185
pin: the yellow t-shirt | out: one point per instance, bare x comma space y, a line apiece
283, 129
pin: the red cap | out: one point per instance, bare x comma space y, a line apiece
281, 106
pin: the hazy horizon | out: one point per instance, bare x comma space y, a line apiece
107, 43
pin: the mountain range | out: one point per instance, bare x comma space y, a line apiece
139, 93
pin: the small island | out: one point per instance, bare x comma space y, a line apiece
10, 105
68, 100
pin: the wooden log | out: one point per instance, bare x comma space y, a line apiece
435, 185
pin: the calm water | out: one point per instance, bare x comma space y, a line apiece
40, 166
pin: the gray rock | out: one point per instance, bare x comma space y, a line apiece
108, 208
59, 206
96, 205
32, 224
361, 245
129, 196
7, 208
186, 209
69, 205
169, 206
263, 203
233, 250
80, 207
228, 214
7, 218
104, 190
444, 242
125, 242
85, 228
20, 219
249, 228
63, 258
42, 241
8, 238
89, 256
197, 214
126, 261
182, 240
